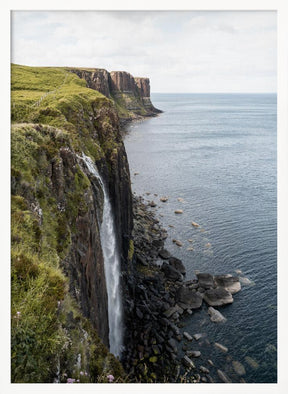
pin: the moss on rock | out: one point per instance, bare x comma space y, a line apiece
54, 118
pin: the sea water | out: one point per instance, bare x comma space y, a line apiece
214, 156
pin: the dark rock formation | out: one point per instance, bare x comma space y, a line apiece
218, 297
189, 297
84, 264
171, 273
206, 281
177, 264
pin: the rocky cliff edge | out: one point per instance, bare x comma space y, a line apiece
130, 95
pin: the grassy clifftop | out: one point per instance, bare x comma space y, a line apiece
54, 118
56, 97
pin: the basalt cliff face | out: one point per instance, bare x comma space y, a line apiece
59, 296
130, 95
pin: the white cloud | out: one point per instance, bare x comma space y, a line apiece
179, 51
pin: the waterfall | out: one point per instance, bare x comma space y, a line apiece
111, 266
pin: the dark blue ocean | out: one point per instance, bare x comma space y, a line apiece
217, 154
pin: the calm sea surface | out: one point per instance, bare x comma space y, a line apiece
217, 153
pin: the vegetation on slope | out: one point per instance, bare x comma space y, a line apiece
52, 110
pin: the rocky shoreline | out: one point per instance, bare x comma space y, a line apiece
157, 299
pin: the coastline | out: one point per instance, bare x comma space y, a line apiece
156, 313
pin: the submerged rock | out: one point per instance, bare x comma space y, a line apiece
178, 211
251, 362
218, 297
216, 316
187, 336
163, 199
193, 353
223, 348
238, 368
204, 369
223, 376
245, 281
188, 362
198, 336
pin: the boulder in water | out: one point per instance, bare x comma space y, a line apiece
223, 348
189, 297
194, 224
163, 199
178, 211
187, 362
187, 336
245, 281
223, 376
251, 362
198, 336
152, 204
193, 353
204, 369
228, 282
218, 297
238, 368
216, 316
205, 280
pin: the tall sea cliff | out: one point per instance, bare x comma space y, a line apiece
60, 325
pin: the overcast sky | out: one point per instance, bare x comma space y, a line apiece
187, 51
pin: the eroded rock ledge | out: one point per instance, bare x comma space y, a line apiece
130, 95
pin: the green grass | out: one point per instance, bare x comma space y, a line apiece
47, 326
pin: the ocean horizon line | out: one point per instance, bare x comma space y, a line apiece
228, 93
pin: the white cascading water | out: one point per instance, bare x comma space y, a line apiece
111, 266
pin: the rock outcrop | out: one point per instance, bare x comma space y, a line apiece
218, 297
52, 189
131, 95
123, 82
97, 79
